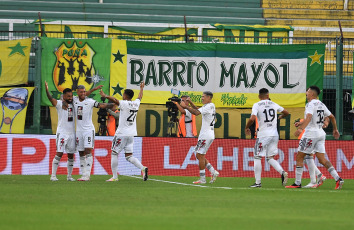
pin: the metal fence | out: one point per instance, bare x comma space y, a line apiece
329, 91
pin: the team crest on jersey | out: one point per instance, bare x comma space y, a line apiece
74, 66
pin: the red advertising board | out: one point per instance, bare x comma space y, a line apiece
33, 154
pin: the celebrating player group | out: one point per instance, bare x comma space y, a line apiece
78, 109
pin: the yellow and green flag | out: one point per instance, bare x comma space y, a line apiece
14, 103
14, 61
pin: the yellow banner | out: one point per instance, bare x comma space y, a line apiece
118, 68
14, 61
14, 108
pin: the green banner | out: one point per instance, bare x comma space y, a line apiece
68, 63
234, 73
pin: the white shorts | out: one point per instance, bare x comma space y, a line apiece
203, 146
312, 145
123, 143
66, 143
266, 146
85, 139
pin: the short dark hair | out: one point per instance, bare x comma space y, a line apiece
184, 96
81, 87
129, 93
208, 93
67, 90
263, 91
316, 89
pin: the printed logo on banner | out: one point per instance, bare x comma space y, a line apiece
74, 66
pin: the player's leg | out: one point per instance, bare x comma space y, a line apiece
320, 177
308, 159
60, 141
55, 164
70, 166
214, 173
89, 143
257, 163
70, 148
322, 159
117, 147
201, 159
272, 150
135, 161
89, 162
81, 148
299, 170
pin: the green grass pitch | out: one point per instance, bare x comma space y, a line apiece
35, 202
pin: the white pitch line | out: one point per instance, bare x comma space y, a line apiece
184, 184
245, 188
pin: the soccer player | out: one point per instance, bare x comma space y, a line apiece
124, 136
313, 139
206, 135
65, 135
266, 145
85, 130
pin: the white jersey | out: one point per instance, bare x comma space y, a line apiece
188, 124
319, 111
208, 121
83, 112
66, 121
127, 118
266, 112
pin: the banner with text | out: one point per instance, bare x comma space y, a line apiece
234, 73
14, 103
14, 61
33, 155
68, 63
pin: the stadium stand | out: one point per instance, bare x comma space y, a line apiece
246, 12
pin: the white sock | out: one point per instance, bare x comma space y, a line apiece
89, 161
55, 165
311, 165
210, 168
333, 173
202, 174
298, 175
257, 170
135, 162
82, 165
275, 164
318, 172
114, 165
70, 166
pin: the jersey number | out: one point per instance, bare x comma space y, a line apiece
270, 113
320, 115
132, 115
212, 122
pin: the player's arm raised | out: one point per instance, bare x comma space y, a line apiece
191, 103
110, 105
249, 123
180, 108
190, 109
140, 96
284, 113
93, 89
50, 97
